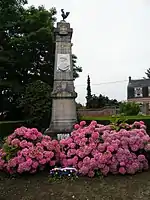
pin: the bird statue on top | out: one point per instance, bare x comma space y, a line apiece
64, 15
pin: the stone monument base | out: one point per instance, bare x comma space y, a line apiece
58, 129
57, 135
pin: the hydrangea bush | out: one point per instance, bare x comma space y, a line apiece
27, 150
93, 149
98, 148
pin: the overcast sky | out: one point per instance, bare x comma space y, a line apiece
111, 40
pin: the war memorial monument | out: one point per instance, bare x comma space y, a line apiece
64, 114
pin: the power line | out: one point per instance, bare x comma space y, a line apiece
104, 83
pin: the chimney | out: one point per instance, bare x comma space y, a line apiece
129, 79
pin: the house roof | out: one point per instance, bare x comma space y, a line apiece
139, 83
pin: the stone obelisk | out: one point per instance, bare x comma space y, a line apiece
63, 96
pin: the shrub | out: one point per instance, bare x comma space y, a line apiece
27, 150
129, 108
94, 149
99, 149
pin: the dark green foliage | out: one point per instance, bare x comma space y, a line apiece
10, 151
148, 73
36, 104
79, 106
27, 52
129, 108
102, 101
7, 127
76, 69
10, 12
89, 95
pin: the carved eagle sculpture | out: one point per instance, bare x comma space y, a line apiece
64, 15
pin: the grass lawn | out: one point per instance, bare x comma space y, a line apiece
37, 187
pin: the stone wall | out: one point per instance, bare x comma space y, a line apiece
97, 112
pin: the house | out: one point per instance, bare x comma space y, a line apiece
139, 91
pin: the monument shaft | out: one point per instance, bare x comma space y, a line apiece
63, 96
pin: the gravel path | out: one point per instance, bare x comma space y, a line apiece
37, 187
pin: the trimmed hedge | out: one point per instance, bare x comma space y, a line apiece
7, 127
137, 117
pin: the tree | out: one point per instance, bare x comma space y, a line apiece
10, 12
76, 69
102, 101
36, 104
33, 47
129, 108
28, 49
148, 73
89, 95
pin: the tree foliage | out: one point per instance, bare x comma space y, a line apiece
36, 103
76, 69
27, 51
89, 95
101, 101
148, 73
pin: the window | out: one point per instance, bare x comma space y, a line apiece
149, 91
138, 92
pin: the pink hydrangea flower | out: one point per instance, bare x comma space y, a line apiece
84, 170
42, 161
93, 123
35, 164
147, 147
23, 143
105, 170
52, 163
95, 135
101, 147
76, 126
141, 158
142, 123
122, 170
110, 148
82, 123
91, 174
122, 164
15, 142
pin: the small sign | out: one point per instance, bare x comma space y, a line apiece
62, 136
